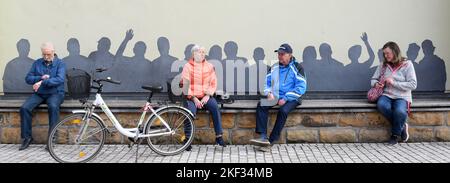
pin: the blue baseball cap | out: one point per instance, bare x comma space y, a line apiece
284, 48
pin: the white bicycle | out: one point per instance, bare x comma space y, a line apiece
79, 137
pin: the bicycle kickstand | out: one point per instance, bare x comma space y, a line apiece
139, 141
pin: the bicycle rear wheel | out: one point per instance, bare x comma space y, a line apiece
74, 140
182, 124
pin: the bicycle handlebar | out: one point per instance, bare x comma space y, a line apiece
108, 79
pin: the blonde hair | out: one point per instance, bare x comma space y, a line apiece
398, 58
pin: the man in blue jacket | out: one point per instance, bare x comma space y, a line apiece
285, 84
47, 76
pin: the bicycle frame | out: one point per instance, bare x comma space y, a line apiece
129, 132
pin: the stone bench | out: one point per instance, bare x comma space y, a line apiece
315, 121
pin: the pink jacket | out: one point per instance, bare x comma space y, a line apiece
201, 78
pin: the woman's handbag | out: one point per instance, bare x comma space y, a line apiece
374, 93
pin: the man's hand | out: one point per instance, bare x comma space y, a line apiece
281, 102
197, 103
270, 96
44, 77
36, 86
205, 99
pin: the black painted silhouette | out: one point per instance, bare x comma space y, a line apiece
237, 66
188, 52
215, 53
324, 74
380, 56
133, 72
162, 65
75, 60
257, 73
102, 58
177, 66
311, 67
431, 73
330, 70
412, 53
215, 57
16, 70
357, 74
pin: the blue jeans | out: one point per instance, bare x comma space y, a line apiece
395, 111
213, 108
53, 102
262, 113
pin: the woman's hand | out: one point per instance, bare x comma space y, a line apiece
379, 85
390, 81
205, 99
197, 103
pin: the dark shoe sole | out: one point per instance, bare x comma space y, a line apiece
23, 148
264, 148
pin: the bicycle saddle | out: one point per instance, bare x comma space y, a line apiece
153, 88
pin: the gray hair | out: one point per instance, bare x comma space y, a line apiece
197, 48
48, 46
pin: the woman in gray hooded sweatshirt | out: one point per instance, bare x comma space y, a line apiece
399, 80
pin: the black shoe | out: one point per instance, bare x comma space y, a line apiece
188, 148
393, 140
219, 141
25, 143
405, 133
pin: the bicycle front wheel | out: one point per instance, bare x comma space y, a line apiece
74, 140
180, 121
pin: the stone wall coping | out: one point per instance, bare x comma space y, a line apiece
313, 105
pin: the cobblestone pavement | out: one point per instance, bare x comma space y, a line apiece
435, 152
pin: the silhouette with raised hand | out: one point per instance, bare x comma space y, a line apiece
357, 74
134, 71
234, 67
331, 70
432, 75
162, 65
16, 70
257, 73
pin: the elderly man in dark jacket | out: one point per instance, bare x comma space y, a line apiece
47, 76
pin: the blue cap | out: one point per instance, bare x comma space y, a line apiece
284, 48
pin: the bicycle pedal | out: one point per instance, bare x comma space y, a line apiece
130, 145
132, 142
